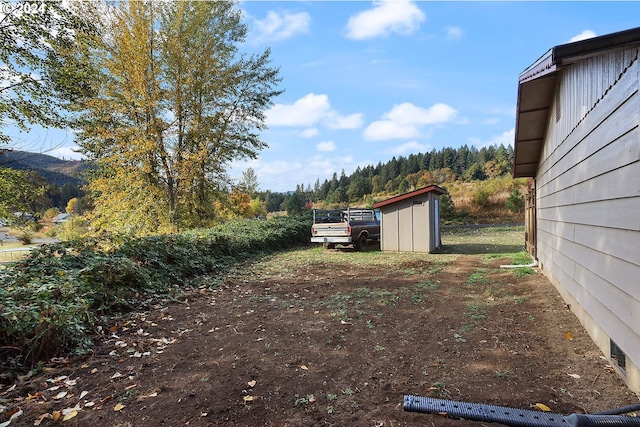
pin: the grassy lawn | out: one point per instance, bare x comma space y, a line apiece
489, 242
13, 251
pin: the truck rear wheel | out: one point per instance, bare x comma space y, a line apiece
361, 243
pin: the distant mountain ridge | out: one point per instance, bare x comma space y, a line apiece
54, 170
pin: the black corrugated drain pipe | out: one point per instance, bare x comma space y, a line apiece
515, 417
618, 411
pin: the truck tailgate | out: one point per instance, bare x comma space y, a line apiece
331, 230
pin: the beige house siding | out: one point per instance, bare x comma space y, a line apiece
588, 199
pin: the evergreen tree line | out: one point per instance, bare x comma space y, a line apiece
399, 175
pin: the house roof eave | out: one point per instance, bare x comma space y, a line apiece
537, 87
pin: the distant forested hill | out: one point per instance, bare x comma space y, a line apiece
55, 171
478, 181
401, 174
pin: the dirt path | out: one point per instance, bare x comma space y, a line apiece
312, 339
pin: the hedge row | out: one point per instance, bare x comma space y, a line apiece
51, 302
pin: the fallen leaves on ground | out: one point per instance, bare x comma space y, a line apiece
133, 339
70, 415
14, 415
543, 407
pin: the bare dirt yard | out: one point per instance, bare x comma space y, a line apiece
334, 338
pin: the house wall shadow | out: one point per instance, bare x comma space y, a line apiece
479, 249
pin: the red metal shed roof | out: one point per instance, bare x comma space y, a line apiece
423, 190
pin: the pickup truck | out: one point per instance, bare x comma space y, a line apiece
346, 227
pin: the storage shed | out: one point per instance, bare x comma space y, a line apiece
578, 137
410, 222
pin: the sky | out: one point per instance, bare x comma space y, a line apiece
366, 81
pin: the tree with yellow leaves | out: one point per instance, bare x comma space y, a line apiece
176, 104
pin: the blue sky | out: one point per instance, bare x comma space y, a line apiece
365, 81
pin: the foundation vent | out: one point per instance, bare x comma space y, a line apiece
618, 357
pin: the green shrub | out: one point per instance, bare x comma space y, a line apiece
26, 237
447, 207
481, 197
52, 232
50, 301
74, 228
515, 202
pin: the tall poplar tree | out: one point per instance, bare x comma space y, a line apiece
39, 81
176, 104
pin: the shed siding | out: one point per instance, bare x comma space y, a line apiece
405, 236
435, 219
421, 242
588, 199
389, 230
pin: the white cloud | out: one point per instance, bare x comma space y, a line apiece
324, 167
279, 26
309, 111
386, 17
586, 34
69, 153
387, 129
411, 147
283, 168
284, 175
406, 120
275, 175
309, 133
336, 121
306, 111
326, 146
412, 114
454, 33
505, 138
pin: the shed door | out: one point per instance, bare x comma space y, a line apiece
389, 230
420, 227
405, 229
